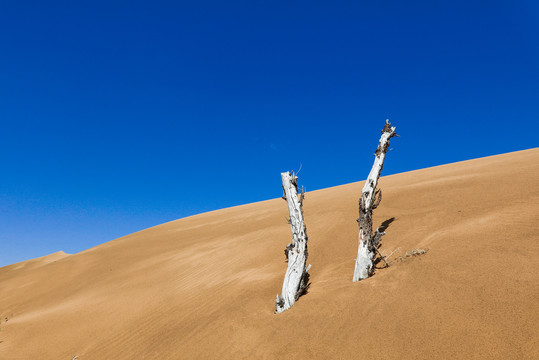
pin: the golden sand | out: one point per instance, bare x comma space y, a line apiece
203, 287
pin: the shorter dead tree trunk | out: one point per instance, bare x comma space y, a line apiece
369, 200
296, 279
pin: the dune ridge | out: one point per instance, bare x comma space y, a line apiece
203, 286
36, 262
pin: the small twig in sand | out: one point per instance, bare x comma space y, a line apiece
416, 252
394, 251
382, 256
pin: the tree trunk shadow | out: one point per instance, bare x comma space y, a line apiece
382, 229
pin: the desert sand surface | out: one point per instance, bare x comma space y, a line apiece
203, 287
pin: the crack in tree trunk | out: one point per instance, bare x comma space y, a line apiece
369, 200
296, 280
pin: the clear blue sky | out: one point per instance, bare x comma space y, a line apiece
118, 116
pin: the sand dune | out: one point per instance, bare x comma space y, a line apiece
203, 287
34, 263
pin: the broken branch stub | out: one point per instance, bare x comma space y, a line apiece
296, 279
368, 201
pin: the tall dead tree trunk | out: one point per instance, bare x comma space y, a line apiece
369, 200
296, 279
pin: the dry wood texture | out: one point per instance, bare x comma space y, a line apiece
296, 279
369, 200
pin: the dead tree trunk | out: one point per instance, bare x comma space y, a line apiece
296, 279
370, 199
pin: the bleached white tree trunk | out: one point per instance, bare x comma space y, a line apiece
370, 199
296, 279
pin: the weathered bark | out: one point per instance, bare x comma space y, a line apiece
370, 199
296, 279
